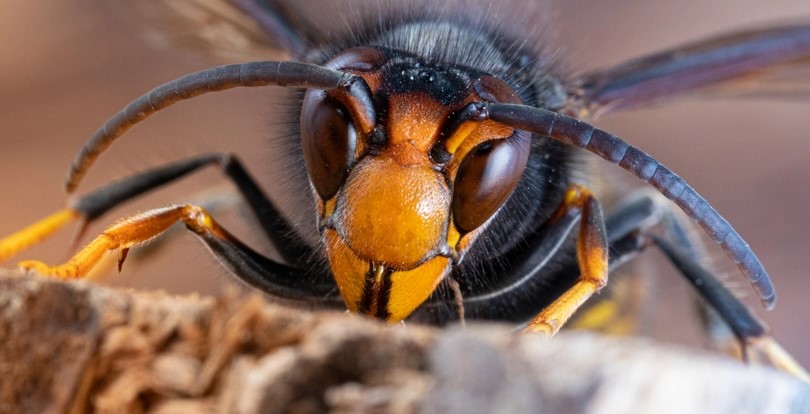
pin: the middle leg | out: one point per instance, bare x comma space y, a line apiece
274, 278
592, 258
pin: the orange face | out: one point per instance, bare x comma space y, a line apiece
387, 205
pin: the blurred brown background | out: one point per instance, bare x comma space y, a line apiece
67, 66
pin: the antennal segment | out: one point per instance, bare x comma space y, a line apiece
251, 74
613, 149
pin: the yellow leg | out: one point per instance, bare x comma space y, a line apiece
780, 358
124, 235
617, 313
35, 233
592, 258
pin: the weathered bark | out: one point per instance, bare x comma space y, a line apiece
76, 347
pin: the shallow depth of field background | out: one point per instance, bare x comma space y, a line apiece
66, 67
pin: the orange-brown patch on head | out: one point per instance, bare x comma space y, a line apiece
393, 214
404, 292
348, 270
411, 288
414, 119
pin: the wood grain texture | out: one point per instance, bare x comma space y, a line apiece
73, 347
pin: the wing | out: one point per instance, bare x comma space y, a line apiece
229, 30
765, 62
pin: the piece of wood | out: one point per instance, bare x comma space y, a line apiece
76, 347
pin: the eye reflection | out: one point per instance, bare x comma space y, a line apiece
486, 178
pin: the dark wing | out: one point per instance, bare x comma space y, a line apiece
766, 62
229, 30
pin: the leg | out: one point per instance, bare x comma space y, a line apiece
679, 234
621, 310
251, 267
545, 267
682, 252
679, 231
91, 206
631, 223
592, 257
746, 327
35, 233
628, 236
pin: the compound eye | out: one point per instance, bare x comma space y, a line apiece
487, 177
328, 141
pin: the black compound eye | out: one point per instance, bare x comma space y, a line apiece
328, 141
487, 177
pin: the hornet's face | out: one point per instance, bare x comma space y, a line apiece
403, 185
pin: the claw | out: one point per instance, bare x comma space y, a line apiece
780, 358
122, 255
